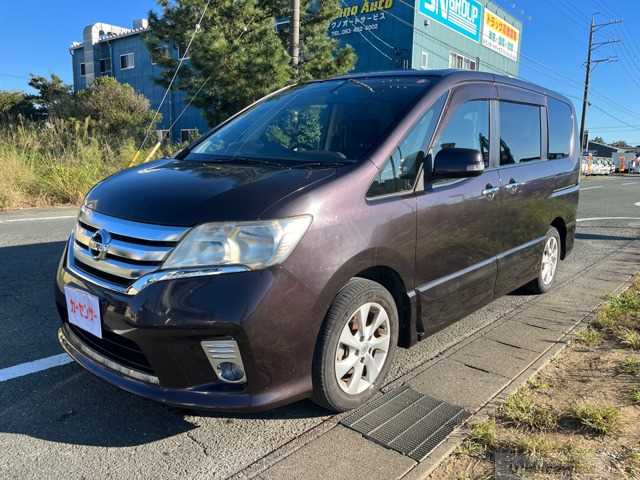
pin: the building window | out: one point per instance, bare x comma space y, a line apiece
105, 66
127, 61
83, 69
461, 62
162, 135
282, 25
188, 135
161, 53
182, 50
424, 60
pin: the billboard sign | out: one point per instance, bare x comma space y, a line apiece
364, 16
461, 16
500, 36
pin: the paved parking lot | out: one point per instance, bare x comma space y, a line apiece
61, 422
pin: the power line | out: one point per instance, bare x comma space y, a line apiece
376, 48
612, 116
547, 70
185, 55
595, 27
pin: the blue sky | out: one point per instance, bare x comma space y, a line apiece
35, 36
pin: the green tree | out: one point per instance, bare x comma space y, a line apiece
115, 109
620, 144
237, 56
14, 104
598, 140
54, 98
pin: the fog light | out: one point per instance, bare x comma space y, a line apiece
230, 371
224, 356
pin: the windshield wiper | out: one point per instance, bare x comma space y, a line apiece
355, 82
260, 161
362, 84
322, 164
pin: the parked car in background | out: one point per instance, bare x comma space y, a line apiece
291, 251
599, 168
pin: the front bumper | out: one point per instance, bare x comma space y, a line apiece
153, 338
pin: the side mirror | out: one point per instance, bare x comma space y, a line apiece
458, 163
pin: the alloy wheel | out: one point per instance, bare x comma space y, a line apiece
549, 260
363, 348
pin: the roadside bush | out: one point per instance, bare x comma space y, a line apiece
595, 418
57, 162
522, 410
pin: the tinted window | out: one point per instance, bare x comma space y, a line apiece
560, 129
519, 133
331, 121
399, 173
467, 127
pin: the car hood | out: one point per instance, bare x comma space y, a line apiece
186, 193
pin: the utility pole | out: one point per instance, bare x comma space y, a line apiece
295, 33
594, 27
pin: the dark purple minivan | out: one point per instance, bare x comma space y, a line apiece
289, 252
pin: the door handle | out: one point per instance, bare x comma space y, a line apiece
490, 191
513, 186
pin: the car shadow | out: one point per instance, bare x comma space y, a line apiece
67, 404
600, 236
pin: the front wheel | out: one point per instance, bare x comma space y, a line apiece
356, 345
548, 263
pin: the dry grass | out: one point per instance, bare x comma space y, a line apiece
629, 366
600, 419
55, 163
522, 410
579, 417
589, 337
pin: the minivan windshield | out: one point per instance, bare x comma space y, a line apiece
330, 122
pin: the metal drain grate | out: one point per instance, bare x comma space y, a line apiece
406, 421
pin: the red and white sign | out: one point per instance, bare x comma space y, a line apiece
84, 310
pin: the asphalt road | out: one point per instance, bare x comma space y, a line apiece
63, 423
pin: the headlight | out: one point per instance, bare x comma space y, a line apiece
255, 245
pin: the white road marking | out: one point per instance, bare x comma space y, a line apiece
37, 219
594, 219
28, 368
584, 189
637, 204
628, 183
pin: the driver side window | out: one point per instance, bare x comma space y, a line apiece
467, 127
399, 173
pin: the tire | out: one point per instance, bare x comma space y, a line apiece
340, 342
550, 253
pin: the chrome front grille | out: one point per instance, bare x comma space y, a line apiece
133, 250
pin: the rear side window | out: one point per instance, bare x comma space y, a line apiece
520, 133
560, 129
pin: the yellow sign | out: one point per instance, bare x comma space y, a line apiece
500, 36
366, 7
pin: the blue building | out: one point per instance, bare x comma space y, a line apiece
122, 53
386, 34
424, 34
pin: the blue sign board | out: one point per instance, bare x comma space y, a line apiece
462, 16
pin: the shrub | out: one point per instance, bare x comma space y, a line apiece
589, 337
596, 418
521, 409
629, 366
